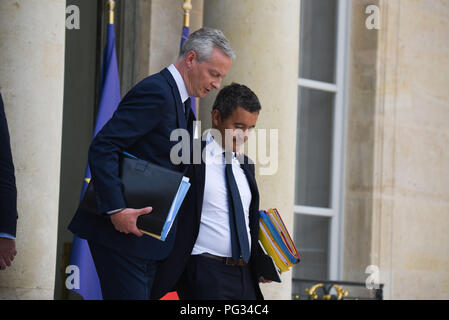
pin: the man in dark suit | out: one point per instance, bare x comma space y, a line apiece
217, 240
125, 259
8, 196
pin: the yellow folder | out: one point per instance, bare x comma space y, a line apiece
272, 249
276, 219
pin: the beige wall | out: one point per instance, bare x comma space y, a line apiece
32, 35
403, 198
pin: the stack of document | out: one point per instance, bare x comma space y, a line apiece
276, 241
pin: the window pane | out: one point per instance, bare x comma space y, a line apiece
314, 148
318, 43
312, 240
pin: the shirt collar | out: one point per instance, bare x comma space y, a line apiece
179, 82
215, 149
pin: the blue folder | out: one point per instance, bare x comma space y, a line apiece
179, 198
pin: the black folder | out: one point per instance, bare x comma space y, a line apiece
266, 267
144, 184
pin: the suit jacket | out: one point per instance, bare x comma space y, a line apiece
171, 269
141, 126
8, 191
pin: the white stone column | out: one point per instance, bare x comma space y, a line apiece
265, 36
32, 39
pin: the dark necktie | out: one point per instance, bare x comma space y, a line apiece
187, 111
239, 235
187, 106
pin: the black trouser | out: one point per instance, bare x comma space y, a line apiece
208, 279
122, 277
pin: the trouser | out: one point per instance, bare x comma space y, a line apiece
208, 279
122, 277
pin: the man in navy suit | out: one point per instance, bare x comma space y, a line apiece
214, 256
125, 259
8, 196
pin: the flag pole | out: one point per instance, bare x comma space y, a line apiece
187, 6
111, 6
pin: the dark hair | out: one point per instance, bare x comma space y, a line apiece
233, 96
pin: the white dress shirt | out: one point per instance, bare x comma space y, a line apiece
179, 82
215, 236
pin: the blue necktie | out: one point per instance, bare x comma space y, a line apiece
239, 235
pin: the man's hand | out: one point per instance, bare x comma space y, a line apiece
125, 221
7, 252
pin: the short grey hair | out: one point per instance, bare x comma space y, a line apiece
203, 41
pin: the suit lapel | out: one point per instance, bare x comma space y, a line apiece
251, 180
180, 113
